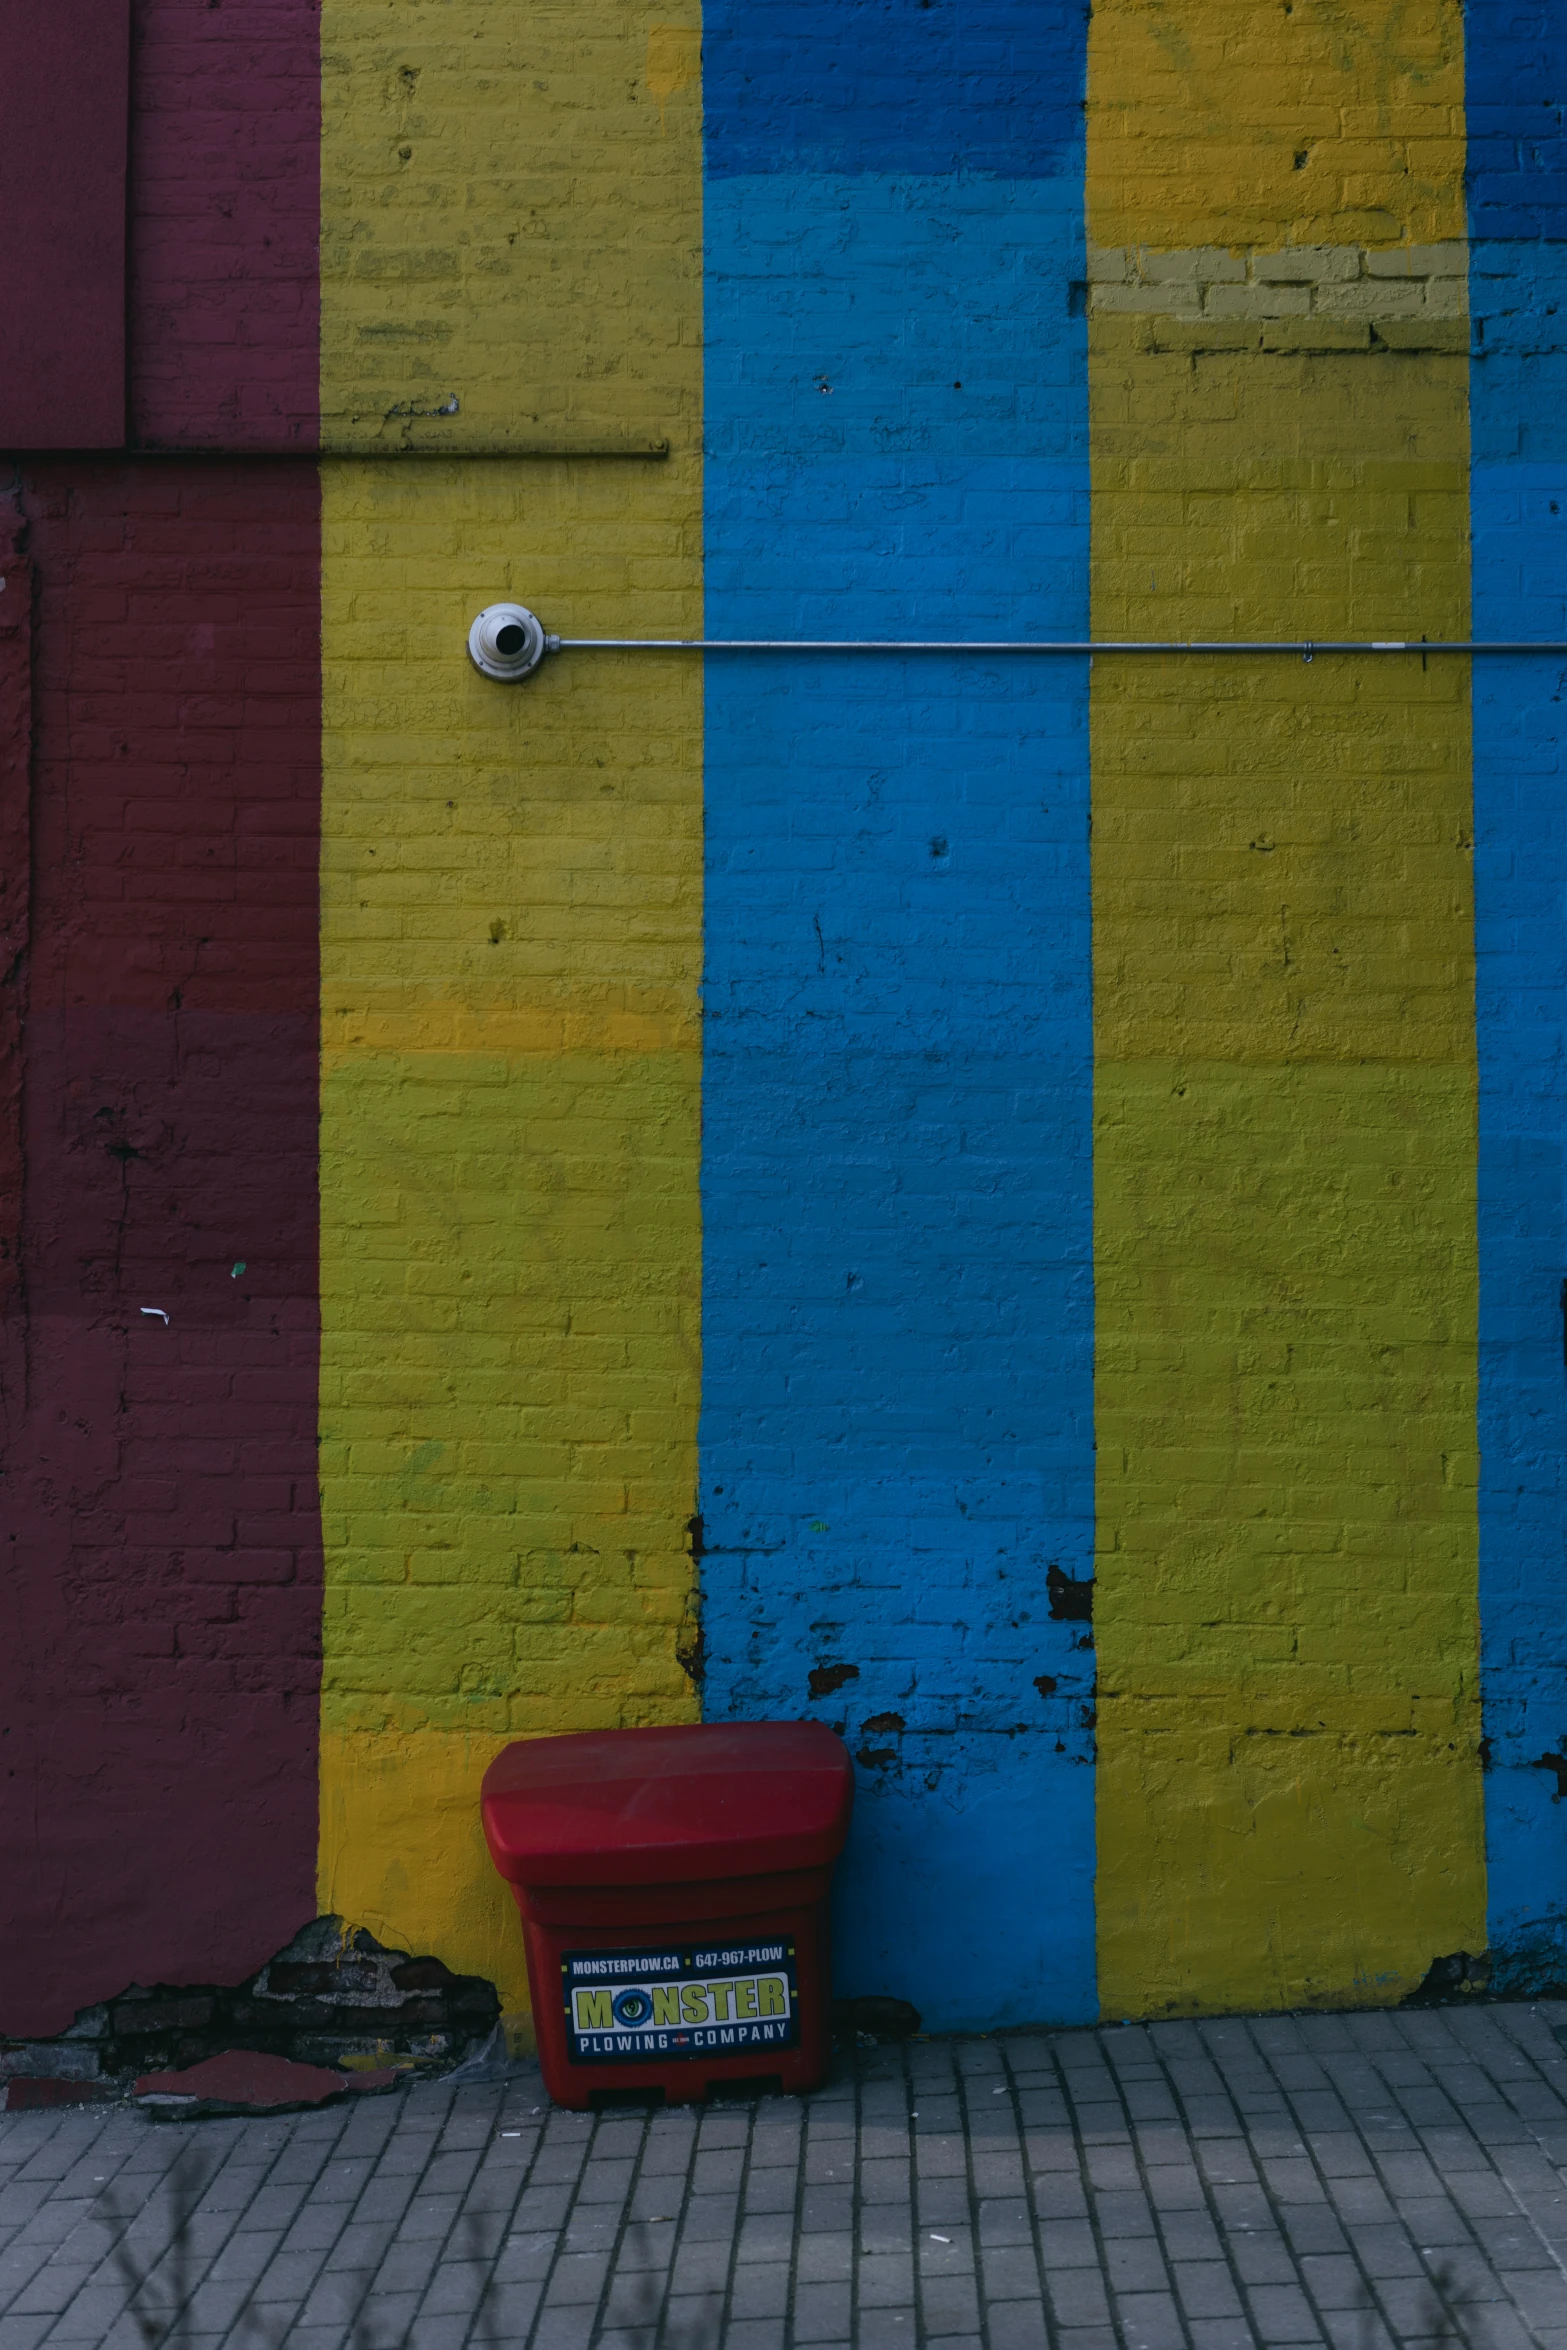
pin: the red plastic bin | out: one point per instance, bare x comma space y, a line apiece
674, 1886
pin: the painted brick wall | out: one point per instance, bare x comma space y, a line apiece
897, 1315
161, 1641
1284, 1171
63, 199
16, 734
511, 933
1082, 1150
162, 1638
1518, 493
224, 224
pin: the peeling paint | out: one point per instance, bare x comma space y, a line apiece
1071, 1597
824, 1679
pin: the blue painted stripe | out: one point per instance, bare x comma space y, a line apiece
1516, 107
1517, 81
897, 1314
927, 86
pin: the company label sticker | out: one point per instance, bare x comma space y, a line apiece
661, 2006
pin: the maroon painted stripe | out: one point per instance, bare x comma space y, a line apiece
16, 722
62, 202
225, 224
162, 1549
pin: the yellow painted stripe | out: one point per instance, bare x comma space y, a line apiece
1288, 1793
1272, 123
511, 921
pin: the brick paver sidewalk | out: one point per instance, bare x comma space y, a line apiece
1347, 2179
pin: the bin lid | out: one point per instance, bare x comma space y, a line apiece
656, 1807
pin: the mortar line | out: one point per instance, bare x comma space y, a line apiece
807, 2144
682, 2200
1557, 2163
739, 2222
351, 2330
972, 2195
443, 2244
1493, 2017
563, 2228
1210, 2202
856, 2201
245, 2315
919, 2233
177, 2316
242, 2314
12, 2236
55, 2130
1015, 2094
1142, 2173
1369, 2283
1084, 2176
330, 2146
91, 2218
661, 2298
796, 2218
504, 2236
1519, 2205
320, 2271
682, 2207
1373, 2301
869, 2072
600, 2307
1525, 2123
917, 2301
916, 2285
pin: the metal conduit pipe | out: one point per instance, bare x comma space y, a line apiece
1306, 647
507, 642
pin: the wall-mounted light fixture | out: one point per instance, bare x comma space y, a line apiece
508, 643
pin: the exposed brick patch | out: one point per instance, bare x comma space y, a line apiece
1331, 297
334, 1997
